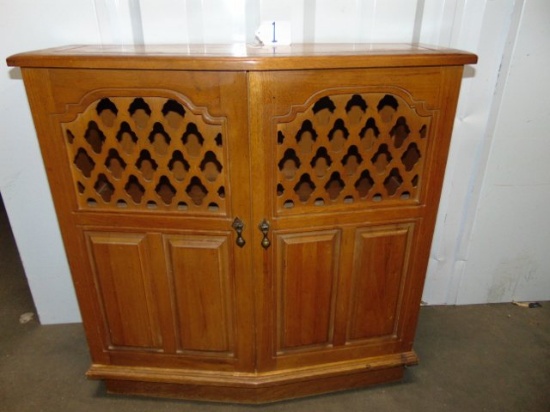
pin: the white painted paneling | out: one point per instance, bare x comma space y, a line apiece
509, 255
438, 21
280, 10
223, 21
351, 21
157, 28
228, 21
336, 21
114, 20
484, 29
392, 21
28, 25
467, 264
189, 21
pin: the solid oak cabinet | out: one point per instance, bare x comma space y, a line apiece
246, 224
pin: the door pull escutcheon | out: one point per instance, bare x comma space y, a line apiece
264, 227
238, 225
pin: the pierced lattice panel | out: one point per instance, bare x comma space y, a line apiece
150, 153
350, 148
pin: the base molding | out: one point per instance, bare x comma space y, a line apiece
252, 388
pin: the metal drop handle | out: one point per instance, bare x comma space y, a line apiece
264, 228
238, 225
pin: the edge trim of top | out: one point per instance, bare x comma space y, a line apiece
242, 57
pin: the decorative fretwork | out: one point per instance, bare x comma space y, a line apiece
147, 153
349, 148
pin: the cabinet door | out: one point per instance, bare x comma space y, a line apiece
172, 295
350, 165
148, 171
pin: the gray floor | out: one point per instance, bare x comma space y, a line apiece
473, 358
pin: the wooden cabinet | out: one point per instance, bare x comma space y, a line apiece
246, 224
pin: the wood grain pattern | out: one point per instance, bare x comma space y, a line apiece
307, 274
125, 284
147, 153
380, 266
349, 145
170, 304
242, 57
203, 291
256, 394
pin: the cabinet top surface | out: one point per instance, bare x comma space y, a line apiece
242, 56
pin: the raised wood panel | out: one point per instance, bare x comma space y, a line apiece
307, 271
202, 288
379, 270
124, 277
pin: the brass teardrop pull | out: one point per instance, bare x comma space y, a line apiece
238, 225
264, 228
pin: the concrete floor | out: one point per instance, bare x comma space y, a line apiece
472, 358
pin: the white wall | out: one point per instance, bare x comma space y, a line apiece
487, 246
508, 254
27, 25
488, 28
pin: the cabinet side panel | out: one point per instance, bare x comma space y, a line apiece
307, 268
122, 272
379, 269
202, 291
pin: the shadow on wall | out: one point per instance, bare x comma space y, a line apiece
15, 73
